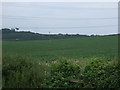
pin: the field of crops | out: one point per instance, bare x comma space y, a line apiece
106, 46
77, 62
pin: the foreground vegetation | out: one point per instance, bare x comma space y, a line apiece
21, 72
86, 62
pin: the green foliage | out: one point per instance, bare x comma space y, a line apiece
62, 75
102, 74
19, 72
12, 35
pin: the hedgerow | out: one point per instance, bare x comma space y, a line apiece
21, 72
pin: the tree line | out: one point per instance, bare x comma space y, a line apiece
15, 35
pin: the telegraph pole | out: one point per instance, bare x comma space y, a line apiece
49, 35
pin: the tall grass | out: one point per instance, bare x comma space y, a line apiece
21, 72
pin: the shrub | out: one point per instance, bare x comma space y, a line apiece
63, 75
20, 72
101, 74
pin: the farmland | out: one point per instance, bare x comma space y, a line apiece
75, 62
106, 46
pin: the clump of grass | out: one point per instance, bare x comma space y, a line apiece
21, 72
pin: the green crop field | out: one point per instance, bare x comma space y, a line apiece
106, 46
86, 62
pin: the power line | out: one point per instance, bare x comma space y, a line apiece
58, 18
70, 27
55, 7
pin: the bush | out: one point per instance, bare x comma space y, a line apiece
63, 75
101, 74
20, 72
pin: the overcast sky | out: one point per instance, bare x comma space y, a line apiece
62, 17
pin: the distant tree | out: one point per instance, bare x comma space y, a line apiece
92, 35
6, 30
60, 34
17, 28
77, 35
12, 30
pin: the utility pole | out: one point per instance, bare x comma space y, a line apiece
49, 35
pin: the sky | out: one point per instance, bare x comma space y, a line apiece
60, 0
61, 17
